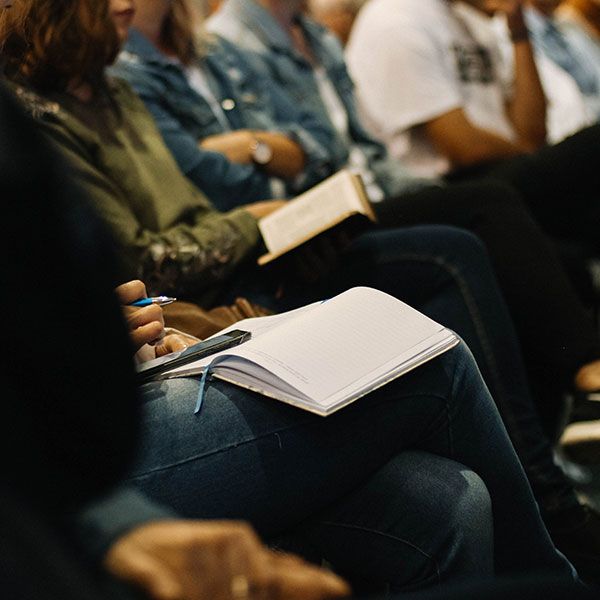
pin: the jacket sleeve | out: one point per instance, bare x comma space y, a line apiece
226, 183
201, 248
101, 523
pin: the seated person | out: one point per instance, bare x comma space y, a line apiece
236, 138
453, 114
72, 397
167, 231
299, 55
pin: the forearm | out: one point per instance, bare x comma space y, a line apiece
465, 144
527, 109
189, 259
287, 160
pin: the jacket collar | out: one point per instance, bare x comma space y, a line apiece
259, 20
140, 47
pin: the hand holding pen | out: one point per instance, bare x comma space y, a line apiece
144, 318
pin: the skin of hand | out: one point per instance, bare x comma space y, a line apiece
261, 209
174, 341
235, 145
146, 325
216, 560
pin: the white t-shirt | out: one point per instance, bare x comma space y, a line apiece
415, 60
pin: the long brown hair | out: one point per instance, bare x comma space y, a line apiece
54, 43
178, 35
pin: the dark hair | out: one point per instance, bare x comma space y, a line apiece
52, 43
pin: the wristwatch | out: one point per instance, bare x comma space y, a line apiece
261, 152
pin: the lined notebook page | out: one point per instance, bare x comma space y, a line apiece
342, 340
309, 212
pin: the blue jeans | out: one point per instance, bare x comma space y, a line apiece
445, 272
394, 489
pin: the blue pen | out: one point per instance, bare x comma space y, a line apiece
160, 300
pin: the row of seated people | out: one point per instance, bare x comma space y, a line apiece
73, 529
565, 35
168, 233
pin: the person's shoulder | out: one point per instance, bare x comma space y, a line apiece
122, 92
405, 8
408, 16
228, 24
36, 105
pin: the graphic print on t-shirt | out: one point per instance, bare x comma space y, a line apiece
474, 64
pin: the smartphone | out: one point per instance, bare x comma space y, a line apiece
152, 368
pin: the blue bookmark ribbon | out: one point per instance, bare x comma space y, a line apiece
204, 380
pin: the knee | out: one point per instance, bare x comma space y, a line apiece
450, 516
468, 508
456, 249
464, 544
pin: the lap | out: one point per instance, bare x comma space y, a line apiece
250, 457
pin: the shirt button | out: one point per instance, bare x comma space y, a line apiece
228, 104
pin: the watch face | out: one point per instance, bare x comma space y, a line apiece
261, 153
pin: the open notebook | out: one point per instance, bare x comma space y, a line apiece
328, 354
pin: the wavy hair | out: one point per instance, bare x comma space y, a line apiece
52, 44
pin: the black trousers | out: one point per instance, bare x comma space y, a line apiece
560, 184
556, 331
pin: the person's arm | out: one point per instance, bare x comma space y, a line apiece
283, 116
227, 183
201, 247
287, 159
527, 107
465, 144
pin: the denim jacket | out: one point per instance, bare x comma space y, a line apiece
249, 25
184, 117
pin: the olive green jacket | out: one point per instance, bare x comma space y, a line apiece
169, 234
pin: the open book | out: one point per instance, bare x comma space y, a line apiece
321, 208
328, 354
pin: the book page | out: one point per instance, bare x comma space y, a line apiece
312, 212
339, 343
257, 326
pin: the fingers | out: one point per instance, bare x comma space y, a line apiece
131, 291
261, 209
294, 579
194, 560
146, 325
174, 342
